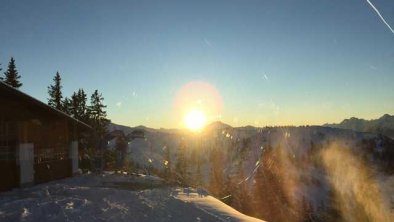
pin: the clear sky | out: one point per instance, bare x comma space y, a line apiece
271, 62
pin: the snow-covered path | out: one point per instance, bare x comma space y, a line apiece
112, 198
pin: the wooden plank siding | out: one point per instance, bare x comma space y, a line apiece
26, 120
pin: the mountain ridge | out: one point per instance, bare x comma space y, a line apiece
383, 125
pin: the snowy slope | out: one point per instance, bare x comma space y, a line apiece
112, 198
212, 206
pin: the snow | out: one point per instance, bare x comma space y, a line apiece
113, 197
212, 205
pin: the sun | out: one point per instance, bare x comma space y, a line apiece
195, 120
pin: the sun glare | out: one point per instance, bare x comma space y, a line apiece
195, 120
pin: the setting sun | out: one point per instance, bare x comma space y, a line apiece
195, 120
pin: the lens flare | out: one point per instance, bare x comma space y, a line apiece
198, 95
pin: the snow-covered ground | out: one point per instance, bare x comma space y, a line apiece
113, 197
211, 205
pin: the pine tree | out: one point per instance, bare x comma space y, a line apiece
67, 106
121, 147
97, 114
83, 108
78, 110
74, 105
78, 106
11, 75
55, 93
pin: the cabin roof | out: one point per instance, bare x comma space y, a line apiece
10, 92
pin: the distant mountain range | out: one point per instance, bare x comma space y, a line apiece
127, 129
217, 125
384, 125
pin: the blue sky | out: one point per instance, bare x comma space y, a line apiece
273, 62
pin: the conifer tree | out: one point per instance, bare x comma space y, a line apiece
78, 106
121, 147
11, 75
74, 105
55, 92
96, 117
97, 114
83, 108
67, 106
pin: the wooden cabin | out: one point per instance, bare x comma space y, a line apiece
37, 142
